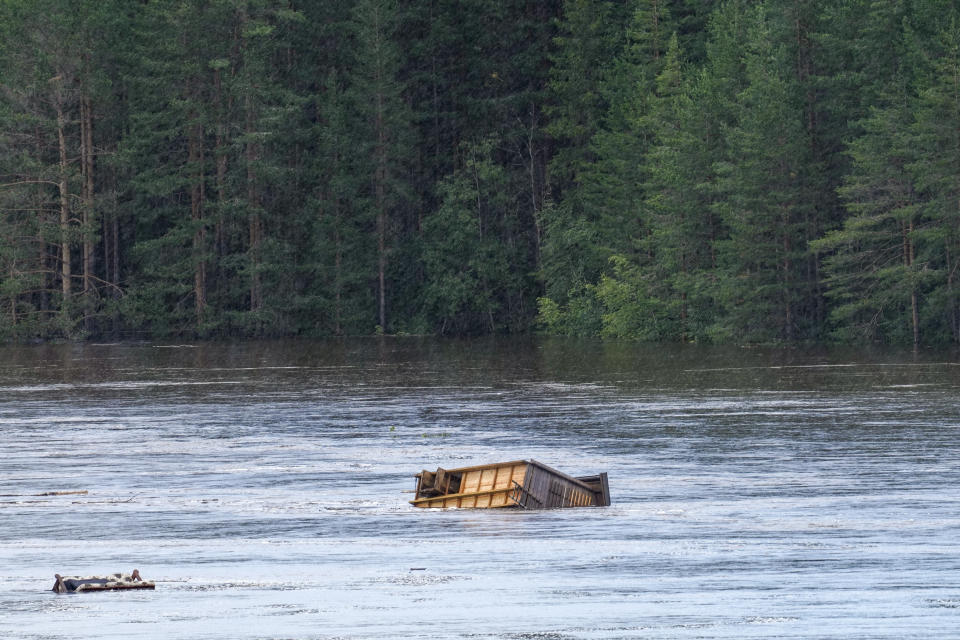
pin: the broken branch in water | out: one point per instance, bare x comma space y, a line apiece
44, 494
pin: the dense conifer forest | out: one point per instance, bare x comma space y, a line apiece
664, 170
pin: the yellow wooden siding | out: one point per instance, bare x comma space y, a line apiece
492, 486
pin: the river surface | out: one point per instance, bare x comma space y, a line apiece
756, 493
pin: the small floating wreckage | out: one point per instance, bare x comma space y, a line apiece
524, 484
112, 582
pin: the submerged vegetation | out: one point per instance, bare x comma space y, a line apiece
659, 170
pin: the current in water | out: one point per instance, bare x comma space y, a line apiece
757, 493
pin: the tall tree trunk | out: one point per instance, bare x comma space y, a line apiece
13, 295
255, 221
47, 274
195, 160
338, 279
110, 232
788, 332
251, 156
951, 296
338, 252
381, 255
536, 201
66, 257
105, 249
908, 257
380, 179
87, 168
220, 156
915, 317
115, 233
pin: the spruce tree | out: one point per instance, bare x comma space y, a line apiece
870, 261
761, 264
166, 158
679, 198
600, 214
342, 248
384, 138
469, 257
590, 35
936, 174
875, 280
55, 89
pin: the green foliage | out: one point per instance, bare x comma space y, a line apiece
936, 175
891, 265
763, 203
680, 196
580, 316
602, 113
660, 170
629, 311
868, 258
470, 277
576, 240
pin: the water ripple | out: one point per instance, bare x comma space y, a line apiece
756, 494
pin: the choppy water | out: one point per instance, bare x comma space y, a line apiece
756, 493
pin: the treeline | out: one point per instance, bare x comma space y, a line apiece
664, 170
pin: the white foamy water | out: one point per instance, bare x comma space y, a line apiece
264, 487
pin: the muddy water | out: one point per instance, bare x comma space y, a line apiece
264, 486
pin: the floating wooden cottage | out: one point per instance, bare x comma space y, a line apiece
526, 484
112, 582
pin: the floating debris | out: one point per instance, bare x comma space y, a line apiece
525, 484
112, 582
44, 494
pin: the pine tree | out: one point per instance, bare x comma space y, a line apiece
206, 166
384, 140
600, 215
616, 187
875, 269
612, 185
679, 201
689, 117
936, 174
762, 261
870, 262
342, 251
55, 89
166, 158
590, 35
469, 259
269, 113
